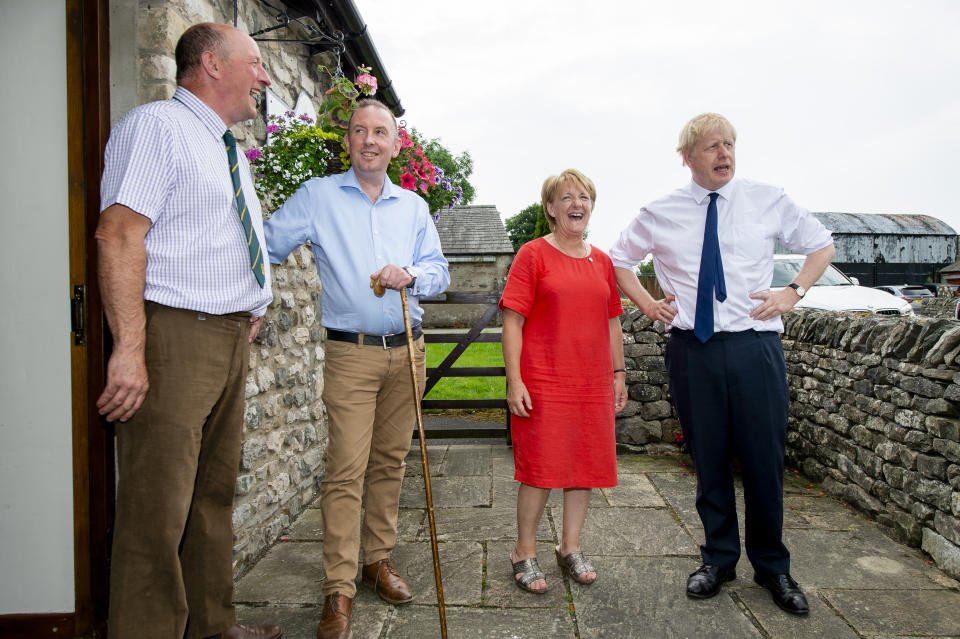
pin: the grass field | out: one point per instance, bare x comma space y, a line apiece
477, 354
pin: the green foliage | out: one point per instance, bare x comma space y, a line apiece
645, 268
457, 168
521, 227
543, 227
297, 150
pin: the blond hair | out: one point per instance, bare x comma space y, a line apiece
553, 184
700, 126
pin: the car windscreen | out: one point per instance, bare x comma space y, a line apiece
784, 271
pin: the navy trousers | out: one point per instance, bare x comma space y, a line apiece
732, 398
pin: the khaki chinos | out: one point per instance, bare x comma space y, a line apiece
178, 458
371, 415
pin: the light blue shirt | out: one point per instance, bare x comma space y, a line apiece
353, 238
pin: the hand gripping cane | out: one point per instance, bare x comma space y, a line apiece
379, 290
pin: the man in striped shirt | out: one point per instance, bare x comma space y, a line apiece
183, 302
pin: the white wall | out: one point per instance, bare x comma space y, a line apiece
36, 477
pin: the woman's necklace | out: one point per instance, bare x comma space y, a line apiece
582, 249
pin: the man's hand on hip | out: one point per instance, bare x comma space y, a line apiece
774, 304
392, 276
127, 385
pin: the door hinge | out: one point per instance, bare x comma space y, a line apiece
78, 314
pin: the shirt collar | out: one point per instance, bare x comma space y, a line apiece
207, 116
700, 194
349, 180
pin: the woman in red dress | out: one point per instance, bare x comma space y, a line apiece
563, 351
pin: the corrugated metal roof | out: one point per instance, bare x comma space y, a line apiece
884, 224
473, 230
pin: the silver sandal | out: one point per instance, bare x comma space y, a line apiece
531, 572
576, 564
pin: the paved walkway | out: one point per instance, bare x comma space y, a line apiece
643, 538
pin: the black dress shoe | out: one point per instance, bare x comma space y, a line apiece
786, 593
705, 582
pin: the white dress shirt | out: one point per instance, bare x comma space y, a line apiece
167, 161
752, 216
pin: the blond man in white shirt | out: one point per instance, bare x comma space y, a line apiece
727, 374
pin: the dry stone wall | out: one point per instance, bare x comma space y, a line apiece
285, 429
873, 417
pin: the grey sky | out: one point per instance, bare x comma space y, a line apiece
850, 105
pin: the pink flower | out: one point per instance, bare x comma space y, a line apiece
405, 141
408, 182
272, 128
253, 155
423, 187
368, 83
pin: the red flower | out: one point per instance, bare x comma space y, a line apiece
408, 182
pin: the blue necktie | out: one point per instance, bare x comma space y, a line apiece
253, 245
711, 280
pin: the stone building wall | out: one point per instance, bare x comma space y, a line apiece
285, 427
873, 417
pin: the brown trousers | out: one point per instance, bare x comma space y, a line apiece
178, 457
371, 413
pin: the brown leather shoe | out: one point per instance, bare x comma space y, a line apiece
387, 582
335, 622
251, 632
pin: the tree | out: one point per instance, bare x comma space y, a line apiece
522, 226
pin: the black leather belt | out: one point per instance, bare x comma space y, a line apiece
386, 341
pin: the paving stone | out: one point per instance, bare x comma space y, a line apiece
821, 622
461, 568
435, 455
646, 597
823, 512
628, 463
410, 521
501, 459
862, 558
423, 622
634, 531
633, 490
899, 612
505, 495
501, 591
307, 527
290, 573
454, 492
466, 460
369, 615
480, 524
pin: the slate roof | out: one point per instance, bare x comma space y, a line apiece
473, 230
884, 224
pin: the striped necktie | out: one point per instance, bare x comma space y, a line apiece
711, 283
253, 244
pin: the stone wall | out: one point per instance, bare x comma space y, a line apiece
873, 415
486, 273
285, 427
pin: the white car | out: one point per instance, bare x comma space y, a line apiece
834, 291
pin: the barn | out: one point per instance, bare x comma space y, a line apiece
888, 248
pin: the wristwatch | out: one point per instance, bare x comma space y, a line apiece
799, 289
412, 283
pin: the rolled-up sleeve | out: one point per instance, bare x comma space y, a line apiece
800, 231
635, 242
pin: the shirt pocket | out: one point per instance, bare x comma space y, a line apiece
753, 243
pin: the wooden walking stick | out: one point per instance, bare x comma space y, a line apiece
379, 290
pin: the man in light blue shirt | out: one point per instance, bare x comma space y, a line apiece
362, 226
